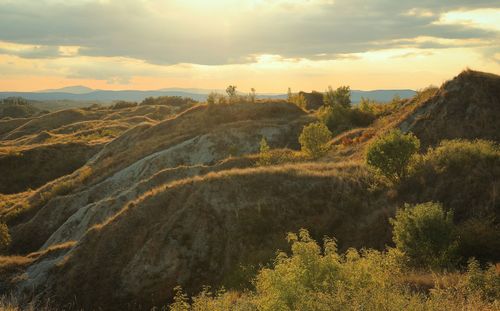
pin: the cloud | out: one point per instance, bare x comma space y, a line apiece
228, 32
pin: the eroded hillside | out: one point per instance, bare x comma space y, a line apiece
171, 197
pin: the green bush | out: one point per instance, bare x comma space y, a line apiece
425, 233
341, 97
461, 174
485, 282
318, 278
480, 238
314, 139
265, 154
391, 154
339, 119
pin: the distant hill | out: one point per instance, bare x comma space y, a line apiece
77, 89
81, 93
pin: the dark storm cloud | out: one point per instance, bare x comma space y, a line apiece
327, 30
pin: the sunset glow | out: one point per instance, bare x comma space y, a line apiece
268, 45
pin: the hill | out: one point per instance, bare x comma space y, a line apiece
200, 95
174, 195
16, 107
466, 107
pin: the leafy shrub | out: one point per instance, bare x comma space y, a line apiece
340, 119
485, 282
391, 154
265, 154
461, 174
480, 238
341, 97
215, 98
4, 237
426, 234
319, 278
314, 139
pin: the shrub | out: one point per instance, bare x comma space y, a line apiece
318, 278
265, 154
123, 104
341, 97
426, 234
391, 154
4, 237
485, 282
340, 119
461, 174
314, 139
480, 238
215, 98
231, 93
299, 100
169, 101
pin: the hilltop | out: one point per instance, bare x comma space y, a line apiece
155, 196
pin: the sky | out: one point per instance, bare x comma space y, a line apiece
268, 45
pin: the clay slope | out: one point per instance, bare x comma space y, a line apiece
467, 106
34, 151
172, 149
201, 230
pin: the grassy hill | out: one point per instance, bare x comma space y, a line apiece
114, 207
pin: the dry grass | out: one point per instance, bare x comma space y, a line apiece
219, 212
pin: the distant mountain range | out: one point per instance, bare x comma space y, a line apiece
83, 93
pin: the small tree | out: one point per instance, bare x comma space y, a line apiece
231, 93
314, 139
426, 234
340, 97
392, 153
265, 154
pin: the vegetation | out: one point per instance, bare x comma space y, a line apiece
231, 93
341, 97
314, 139
169, 101
265, 154
299, 100
426, 234
319, 278
17, 107
4, 237
338, 114
391, 154
125, 104
340, 119
461, 174
158, 170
